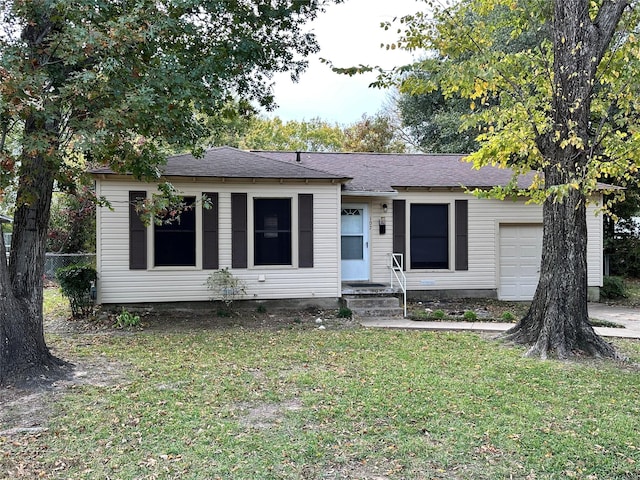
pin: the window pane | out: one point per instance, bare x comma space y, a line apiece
272, 231
429, 252
351, 248
175, 243
352, 221
429, 236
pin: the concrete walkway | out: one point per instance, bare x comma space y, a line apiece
629, 317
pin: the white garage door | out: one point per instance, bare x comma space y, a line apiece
520, 253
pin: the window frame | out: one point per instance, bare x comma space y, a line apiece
291, 232
447, 266
194, 228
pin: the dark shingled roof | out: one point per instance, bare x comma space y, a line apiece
361, 172
383, 172
227, 162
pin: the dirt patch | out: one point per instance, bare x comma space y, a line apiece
188, 320
485, 310
28, 410
266, 415
354, 470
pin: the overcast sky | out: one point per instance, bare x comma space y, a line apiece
349, 34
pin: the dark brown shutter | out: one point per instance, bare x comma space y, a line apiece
462, 238
210, 233
137, 234
400, 229
305, 230
239, 230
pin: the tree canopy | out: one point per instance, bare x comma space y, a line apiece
117, 82
435, 122
553, 89
375, 133
313, 135
116, 78
499, 56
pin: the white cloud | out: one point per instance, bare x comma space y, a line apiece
349, 34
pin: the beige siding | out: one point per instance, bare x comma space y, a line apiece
485, 217
595, 244
118, 284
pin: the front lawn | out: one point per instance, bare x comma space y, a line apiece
297, 402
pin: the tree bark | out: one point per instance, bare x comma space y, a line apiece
24, 354
557, 321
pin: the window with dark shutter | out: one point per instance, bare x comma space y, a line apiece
305, 230
272, 231
429, 236
174, 242
210, 242
137, 234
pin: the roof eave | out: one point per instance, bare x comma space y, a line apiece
369, 193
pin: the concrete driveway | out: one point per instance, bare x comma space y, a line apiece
629, 317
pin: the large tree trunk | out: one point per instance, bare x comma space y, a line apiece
24, 354
557, 322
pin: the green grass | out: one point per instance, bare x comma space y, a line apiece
55, 304
354, 403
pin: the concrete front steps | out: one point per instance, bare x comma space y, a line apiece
364, 306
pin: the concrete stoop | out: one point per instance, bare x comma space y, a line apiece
373, 305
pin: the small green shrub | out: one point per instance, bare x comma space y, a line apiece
127, 320
508, 317
420, 315
470, 315
613, 287
345, 312
439, 314
261, 308
75, 284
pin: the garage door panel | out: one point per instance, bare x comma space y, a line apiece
520, 254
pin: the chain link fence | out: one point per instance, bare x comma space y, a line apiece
54, 261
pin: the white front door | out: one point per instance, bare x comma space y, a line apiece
355, 242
